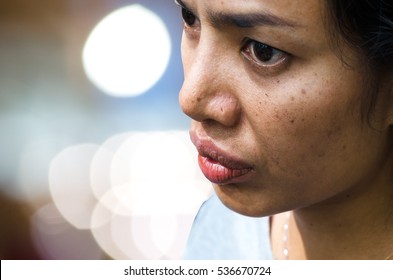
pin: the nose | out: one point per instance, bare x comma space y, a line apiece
207, 94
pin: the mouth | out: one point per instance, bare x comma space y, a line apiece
218, 166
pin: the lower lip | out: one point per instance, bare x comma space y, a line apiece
219, 174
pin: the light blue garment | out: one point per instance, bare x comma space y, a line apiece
221, 234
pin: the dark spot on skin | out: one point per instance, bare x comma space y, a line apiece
293, 98
293, 121
304, 91
267, 95
303, 120
222, 109
298, 173
199, 99
344, 147
278, 81
332, 131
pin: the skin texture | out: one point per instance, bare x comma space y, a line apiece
297, 121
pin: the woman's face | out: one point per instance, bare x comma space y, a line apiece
276, 114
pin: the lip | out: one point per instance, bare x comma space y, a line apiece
218, 166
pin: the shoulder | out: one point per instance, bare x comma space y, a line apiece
219, 233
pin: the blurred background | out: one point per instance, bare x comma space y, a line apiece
95, 159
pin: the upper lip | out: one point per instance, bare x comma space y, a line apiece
207, 148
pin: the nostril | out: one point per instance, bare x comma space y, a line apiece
213, 106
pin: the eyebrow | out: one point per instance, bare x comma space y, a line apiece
244, 20
248, 20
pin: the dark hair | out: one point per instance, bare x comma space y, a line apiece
367, 25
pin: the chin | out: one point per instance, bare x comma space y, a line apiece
247, 204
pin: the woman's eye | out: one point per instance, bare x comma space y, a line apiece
188, 17
262, 54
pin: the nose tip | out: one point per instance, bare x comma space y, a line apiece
208, 92
204, 105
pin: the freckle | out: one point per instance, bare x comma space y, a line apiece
278, 81
222, 109
293, 121
304, 91
267, 95
303, 120
293, 98
344, 147
199, 99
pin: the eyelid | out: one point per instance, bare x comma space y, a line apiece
246, 41
183, 6
248, 54
177, 2
193, 29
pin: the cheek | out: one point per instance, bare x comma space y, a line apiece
309, 132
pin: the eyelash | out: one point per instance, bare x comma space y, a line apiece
248, 49
187, 17
275, 57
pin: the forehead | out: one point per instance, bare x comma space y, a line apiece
306, 13
295, 21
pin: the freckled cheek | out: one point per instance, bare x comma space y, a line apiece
299, 132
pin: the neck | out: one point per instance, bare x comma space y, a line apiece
354, 225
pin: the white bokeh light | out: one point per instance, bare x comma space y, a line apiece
56, 239
138, 192
69, 183
102, 161
127, 52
